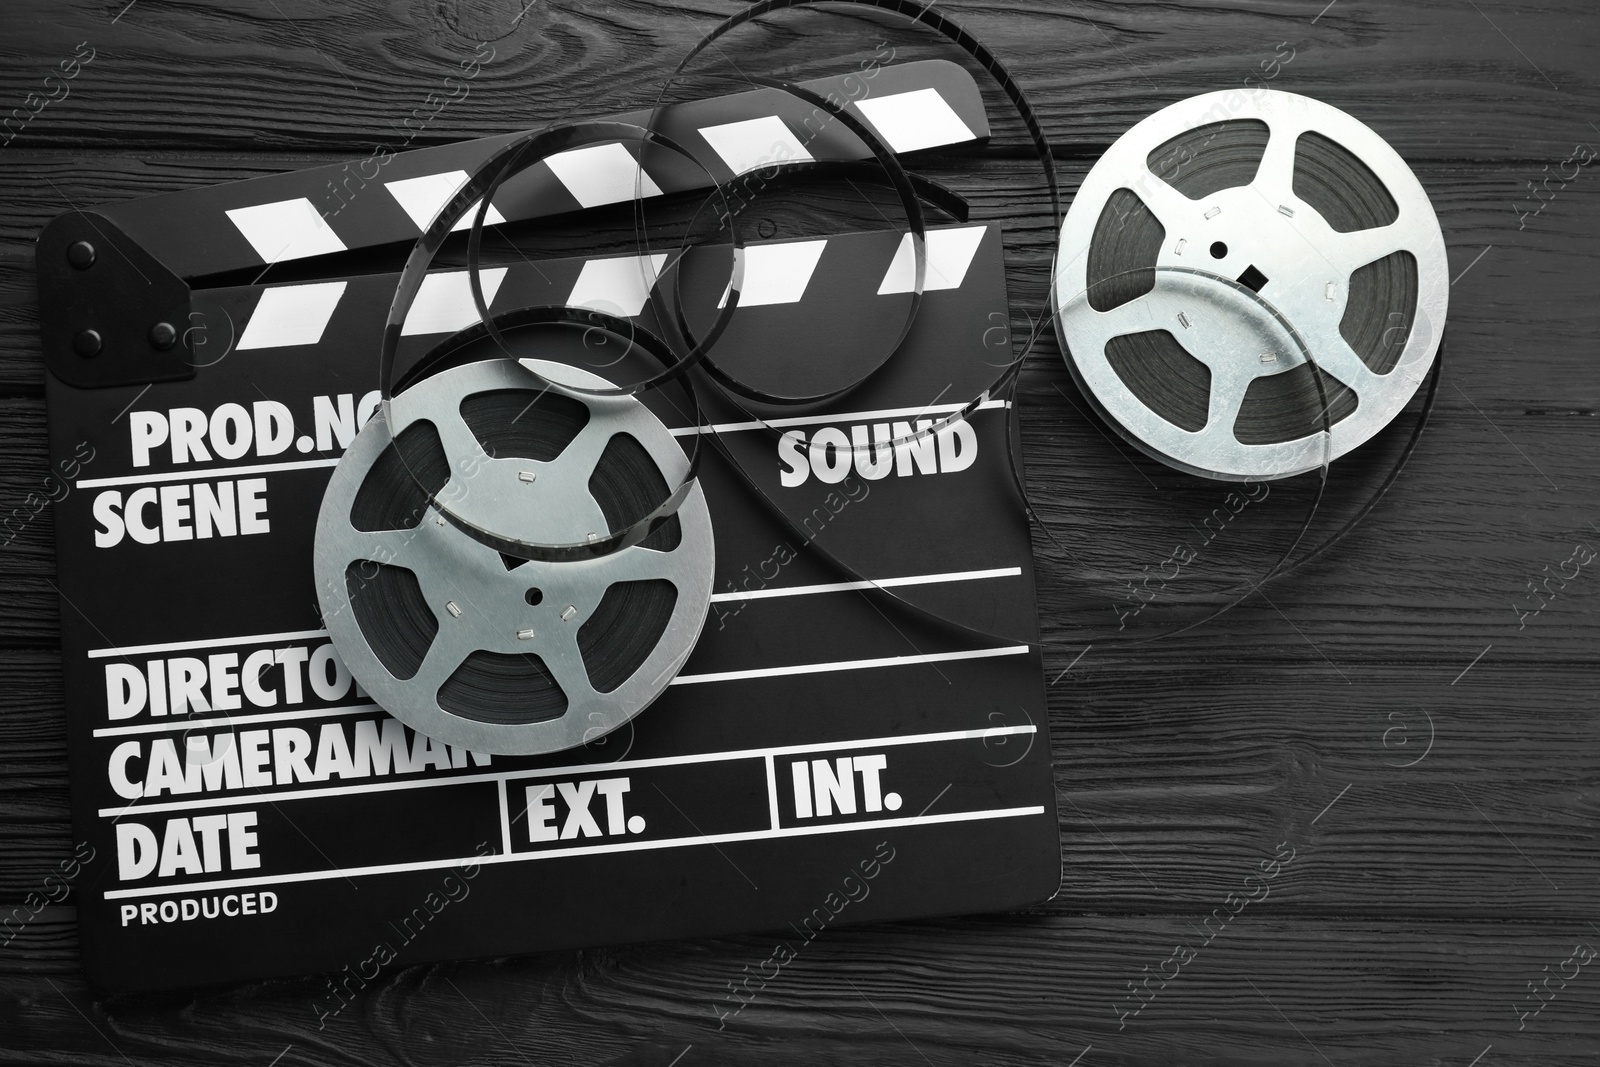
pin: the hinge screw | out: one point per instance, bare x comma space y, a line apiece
87, 343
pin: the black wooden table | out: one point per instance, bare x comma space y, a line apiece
1392, 729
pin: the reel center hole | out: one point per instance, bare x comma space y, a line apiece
1252, 278
1218, 250
533, 597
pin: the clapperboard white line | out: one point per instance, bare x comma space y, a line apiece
793, 590
851, 665
214, 642
581, 768
185, 723
836, 417
882, 583
202, 473
682, 679
203, 723
582, 850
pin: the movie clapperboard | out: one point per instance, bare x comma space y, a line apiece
256, 814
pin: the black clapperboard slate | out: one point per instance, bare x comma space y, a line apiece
821, 758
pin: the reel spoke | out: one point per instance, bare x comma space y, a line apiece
1351, 251
582, 456
450, 648
563, 660
1171, 208
1275, 174
393, 548
640, 564
1229, 382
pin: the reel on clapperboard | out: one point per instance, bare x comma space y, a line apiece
497, 653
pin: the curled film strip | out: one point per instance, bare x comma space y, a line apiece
1312, 408
480, 187
383, 605
478, 191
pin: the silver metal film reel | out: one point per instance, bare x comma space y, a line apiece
1218, 242
478, 649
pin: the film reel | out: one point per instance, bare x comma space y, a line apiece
488, 651
1213, 235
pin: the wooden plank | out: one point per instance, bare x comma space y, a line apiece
1021, 989
306, 76
28, 614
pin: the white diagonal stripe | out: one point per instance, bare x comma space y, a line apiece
213, 472
225, 721
601, 174
950, 253
877, 583
444, 303
777, 274
920, 119
291, 315
287, 229
922, 412
616, 286
754, 143
214, 642
422, 197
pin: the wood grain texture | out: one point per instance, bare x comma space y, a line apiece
1264, 990
1429, 755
